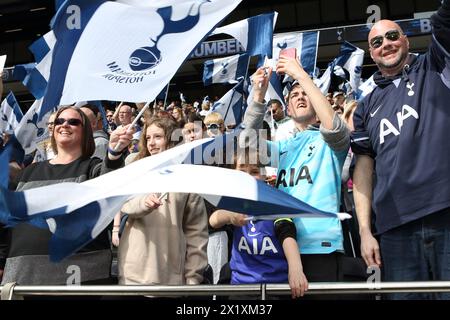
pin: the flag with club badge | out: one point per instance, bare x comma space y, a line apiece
225, 70
109, 50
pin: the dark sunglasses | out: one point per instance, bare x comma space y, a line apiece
392, 35
72, 122
213, 126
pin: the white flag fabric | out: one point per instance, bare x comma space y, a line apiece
2, 62
31, 130
10, 114
33, 127
351, 58
122, 52
323, 83
255, 33
231, 105
275, 88
365, 88
93, 203
225, 70
36, 81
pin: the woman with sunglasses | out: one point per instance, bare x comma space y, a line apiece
73, 143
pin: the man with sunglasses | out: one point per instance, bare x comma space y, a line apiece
402, 127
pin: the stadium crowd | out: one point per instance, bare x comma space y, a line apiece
384, 160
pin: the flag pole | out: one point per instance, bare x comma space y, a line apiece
245, 81
167, 93
117, 147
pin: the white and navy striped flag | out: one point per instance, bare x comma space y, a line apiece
231, 105
275, 88
225, 70
10, 113
351, 59
32, 128
120, 52
306, 44
94, 203
255, 33
365, 88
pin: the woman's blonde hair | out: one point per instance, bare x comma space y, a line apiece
213, 117
348, 109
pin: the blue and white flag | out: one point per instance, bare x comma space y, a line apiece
114, 51
351, 59
31, 130
42, 46
225, 70
306, 44
36, 79
231, 105
33, 127
324, 82
255, 33
10, 113
93, 204
365, 88
21, 71
35, 75
275, 88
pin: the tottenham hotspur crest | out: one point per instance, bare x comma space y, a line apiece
149, 57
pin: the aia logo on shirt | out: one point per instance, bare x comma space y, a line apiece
255, 247
387, 127
295, 176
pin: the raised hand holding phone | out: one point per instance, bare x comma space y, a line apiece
288, 52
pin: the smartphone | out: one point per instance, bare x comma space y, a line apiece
289, 52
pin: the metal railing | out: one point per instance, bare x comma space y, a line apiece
11, 291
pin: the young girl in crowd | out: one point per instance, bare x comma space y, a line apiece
264, 251
194, 128
165, 237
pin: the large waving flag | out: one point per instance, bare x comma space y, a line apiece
275, 87
10, 113
21, 71
35, 75
255, 33
350, 59
122, 52
225, 70
365, 88
32, 128
306, 44
93, 204
37, 78
231, 105
324, 82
